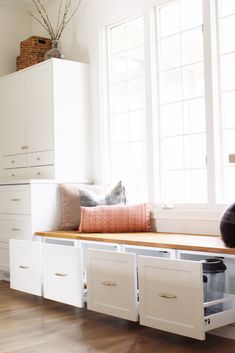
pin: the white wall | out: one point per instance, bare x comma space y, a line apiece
15, 26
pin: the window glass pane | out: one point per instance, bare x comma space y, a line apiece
191, 13
118, 68
135, 59
136, 94
192, 46
124, 105
227, 26
193, 81
228, 71
226, 7
170, 19
119, 128
172, 119
118, 39
195, 151
170, 86
170, 52
182, 139
194, 115
173, 153
119, 98
228, 103
135, 32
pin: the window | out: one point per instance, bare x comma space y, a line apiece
192, 113
182, 138
226, 137
126, 105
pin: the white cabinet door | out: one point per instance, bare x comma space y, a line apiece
25, 266
111, 283
39, 105
171, 296
12, 112
63, 274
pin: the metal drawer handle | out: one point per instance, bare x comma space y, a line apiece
15, 200
16, 229
24, 267
167, 296
24, 147
13, 175
61, 274
38, 158
38, 173
12, 162
109, 284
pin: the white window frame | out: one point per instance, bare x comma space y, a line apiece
182, 216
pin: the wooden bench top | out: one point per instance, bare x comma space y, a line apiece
204, 243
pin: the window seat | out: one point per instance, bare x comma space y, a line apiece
205, 243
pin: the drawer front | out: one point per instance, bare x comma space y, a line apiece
14, 174
44, 172
25, 266
4, 257
14, 227
63, 274
16, 161
15, 200
171, 296
40, 158
111, 283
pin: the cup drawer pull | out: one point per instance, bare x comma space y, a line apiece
15, 200
167, 296
16, 229
24, 267
61, 274
109, 284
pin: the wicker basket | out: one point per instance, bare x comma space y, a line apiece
32, 51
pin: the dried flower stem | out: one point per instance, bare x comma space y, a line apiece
62, 19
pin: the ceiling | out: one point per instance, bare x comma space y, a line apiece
19, 3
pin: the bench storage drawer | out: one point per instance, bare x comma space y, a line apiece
63, 274
171, 298
25, 266
112, 283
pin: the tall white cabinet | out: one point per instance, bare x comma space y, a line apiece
44, 122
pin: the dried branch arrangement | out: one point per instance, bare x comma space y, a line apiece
65, 14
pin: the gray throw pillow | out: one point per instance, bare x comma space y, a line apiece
113, 197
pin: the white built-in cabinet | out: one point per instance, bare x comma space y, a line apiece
160, 287
44, 122
25, 208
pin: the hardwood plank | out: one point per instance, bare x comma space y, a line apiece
159, 240
29, 324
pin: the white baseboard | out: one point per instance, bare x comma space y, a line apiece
225, 331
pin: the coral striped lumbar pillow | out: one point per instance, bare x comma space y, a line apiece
115, 219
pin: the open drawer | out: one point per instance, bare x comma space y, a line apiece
63, 274
171, 298
111, 283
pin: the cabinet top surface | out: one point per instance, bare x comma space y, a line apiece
202, 243
46, 62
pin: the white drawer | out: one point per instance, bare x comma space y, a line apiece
15, 200
171, 298
63, 274
14, 174
44, 172
111, 283
14, 227
16, 161
40, 158
25, 266
4, 257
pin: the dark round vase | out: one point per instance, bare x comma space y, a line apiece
227, 226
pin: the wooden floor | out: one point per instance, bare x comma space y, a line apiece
34, 325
